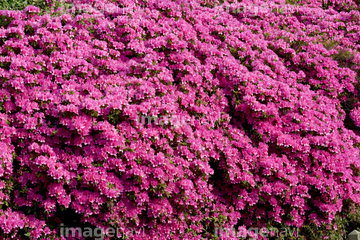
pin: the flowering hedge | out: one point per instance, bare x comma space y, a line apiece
271, 94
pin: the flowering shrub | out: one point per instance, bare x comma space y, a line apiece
272, 98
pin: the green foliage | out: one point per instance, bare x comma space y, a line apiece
330, 44
342, 225
292, 2
22, 4
344, 58
15, 4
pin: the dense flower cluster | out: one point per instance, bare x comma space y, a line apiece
271, 96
